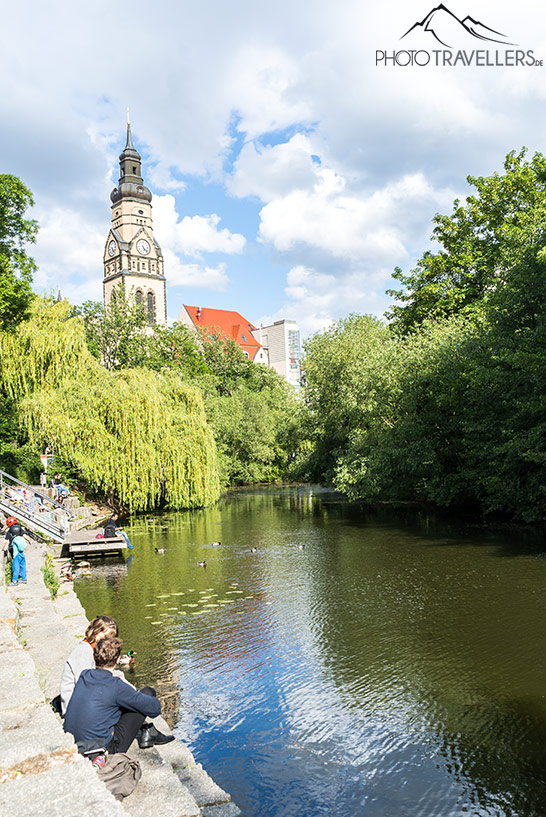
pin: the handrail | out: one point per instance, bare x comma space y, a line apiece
34, 491
34, 521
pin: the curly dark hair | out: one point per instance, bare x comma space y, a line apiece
107, 652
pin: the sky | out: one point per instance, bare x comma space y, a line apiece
290, 173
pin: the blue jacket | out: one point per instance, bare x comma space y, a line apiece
97, 704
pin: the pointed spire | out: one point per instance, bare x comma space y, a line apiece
129, 136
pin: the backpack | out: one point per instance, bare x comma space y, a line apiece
12, 531
19, 544
120, 774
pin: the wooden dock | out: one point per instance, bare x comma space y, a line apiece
86, 543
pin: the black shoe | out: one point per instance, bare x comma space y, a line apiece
158, 737
144, 737
150, 736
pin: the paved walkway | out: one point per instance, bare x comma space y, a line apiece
40, 770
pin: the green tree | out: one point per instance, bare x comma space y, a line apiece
481, 243
341, 366
140, 437
450, 409
16, 267
120, 337
256, 429
176, 348
251, 410
115, 334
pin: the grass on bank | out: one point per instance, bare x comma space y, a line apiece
51, 580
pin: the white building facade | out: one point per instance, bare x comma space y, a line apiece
283, 345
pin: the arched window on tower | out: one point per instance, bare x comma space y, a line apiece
150, 308
139, 298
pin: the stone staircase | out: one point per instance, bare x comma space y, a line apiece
40, 770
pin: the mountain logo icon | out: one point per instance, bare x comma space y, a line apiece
443, 25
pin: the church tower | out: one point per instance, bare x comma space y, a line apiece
132, 256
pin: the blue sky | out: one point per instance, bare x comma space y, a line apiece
290, 173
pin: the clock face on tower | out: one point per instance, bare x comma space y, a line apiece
112, 247
143, 246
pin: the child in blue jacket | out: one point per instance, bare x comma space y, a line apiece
19, 569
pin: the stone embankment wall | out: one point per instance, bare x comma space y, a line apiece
40, 769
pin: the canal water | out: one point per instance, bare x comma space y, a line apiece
386, 664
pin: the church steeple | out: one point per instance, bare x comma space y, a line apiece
132, 257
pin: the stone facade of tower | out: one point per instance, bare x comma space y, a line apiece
132, 256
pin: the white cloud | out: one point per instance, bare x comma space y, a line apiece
270, 172
68, 253
352, 227
315, 299
197, 234
193, 235
179, 274
343, 242
161, 178
263, 82
217, 89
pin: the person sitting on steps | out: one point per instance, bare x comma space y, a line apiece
82, 658
105, 711
110, 526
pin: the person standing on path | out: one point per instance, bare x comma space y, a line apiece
19, 569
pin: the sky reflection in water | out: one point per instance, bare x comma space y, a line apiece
394, 666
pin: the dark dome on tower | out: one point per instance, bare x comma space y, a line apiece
130, 190
131, 184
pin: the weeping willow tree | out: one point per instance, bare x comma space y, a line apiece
137, 433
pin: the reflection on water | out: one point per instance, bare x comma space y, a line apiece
394, 665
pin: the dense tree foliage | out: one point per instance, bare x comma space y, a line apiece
481, 243
342, 366
255, 425
448, 405
250, 408
16, 267
139, 436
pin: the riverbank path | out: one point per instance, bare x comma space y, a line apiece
40, 770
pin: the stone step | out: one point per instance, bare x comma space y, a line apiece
206, 793
159, 790
221, 810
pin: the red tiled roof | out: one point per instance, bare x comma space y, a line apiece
231, 324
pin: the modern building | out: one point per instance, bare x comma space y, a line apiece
231, 325
281, 340
132, 256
